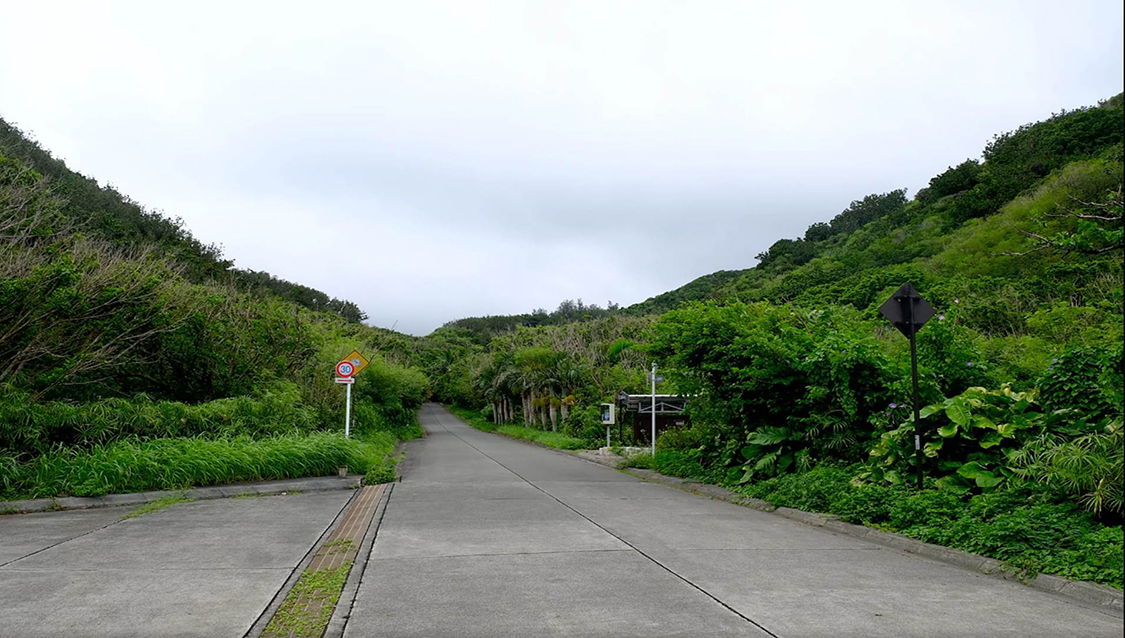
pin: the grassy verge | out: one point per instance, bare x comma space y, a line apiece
1020, 525
135, 465
157, 505
308, 608
555, 440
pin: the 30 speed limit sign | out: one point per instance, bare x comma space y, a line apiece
345, 369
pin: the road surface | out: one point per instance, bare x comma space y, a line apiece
207, 568
486, 536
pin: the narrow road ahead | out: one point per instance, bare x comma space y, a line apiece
486, 536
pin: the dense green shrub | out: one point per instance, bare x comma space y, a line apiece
783, 386
384, 473
1021, 526
585, 423
1085, 378
969, 437
1087, 468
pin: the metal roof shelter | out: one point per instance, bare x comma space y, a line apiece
669, 412
665, 403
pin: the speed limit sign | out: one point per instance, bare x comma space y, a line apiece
345, 369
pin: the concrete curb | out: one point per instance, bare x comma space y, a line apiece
1088, 593
313, 484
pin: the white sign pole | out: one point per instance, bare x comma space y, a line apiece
348, 413
654, 410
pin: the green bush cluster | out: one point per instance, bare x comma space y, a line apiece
682, 463
384, 473
788, 387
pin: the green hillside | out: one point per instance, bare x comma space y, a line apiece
878, 232
102, 211
132, 357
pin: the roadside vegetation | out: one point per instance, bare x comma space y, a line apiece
800, 390
157, 505
307, 610
132, 357
556, 440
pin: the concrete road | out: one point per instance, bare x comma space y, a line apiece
207, 568
486, 536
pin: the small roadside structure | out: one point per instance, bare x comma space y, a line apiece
669, 413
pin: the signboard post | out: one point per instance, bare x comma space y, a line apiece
653, 410
609, 417
358, 361
908, 311
344, 371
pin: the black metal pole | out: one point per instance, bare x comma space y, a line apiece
914, 381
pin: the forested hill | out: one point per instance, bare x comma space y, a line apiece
875, 240
104, 212
483, 329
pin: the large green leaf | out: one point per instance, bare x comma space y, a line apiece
929, 409
971, 470
1008, 430
784, 462
958, 413
947, 431
981, 421
932, 448
767, 435
952, 483
751, 452
988, 482
991, 439
766, 461
983, 478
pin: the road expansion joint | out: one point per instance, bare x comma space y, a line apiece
496, 554
67, 540
622, 540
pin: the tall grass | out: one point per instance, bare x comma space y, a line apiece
32, 428
135, 465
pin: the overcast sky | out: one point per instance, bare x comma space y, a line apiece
435, 160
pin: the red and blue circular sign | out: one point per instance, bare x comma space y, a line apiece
345, 369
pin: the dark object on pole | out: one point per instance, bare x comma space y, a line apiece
908, 311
